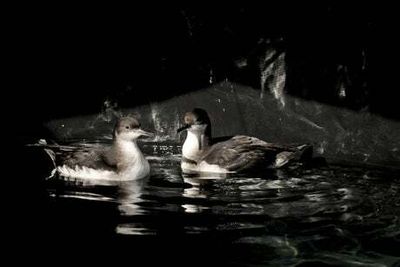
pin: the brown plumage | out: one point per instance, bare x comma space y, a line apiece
232, 154
122, 157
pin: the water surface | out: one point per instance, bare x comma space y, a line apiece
335, 215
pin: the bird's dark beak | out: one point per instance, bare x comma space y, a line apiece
183, 128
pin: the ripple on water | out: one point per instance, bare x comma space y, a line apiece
333, 215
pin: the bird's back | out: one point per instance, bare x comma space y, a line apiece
94, 157
241, 153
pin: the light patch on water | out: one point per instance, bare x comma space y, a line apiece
133, 229
355, 260
282, 245
227, 226
195, 229
190, 208
131, 209
84, 196
262, 184
163, 158
350, 217
315, 197
236, 209
347, 194
193, 192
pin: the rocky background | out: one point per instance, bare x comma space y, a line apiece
324, 74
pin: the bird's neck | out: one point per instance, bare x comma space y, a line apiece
128, 153
195, 145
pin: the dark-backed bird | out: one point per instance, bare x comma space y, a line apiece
202, 153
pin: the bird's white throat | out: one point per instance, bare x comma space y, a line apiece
195, 145
130, 157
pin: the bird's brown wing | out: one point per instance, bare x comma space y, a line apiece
90, 157
241, 153
245, 152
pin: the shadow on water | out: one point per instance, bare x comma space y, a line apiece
326, 216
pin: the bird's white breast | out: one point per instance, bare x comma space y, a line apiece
203, 167
190, 149
135, 167
135, 172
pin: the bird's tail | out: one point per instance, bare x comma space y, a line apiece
301, 153
305, 152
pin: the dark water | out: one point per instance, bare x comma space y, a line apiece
334, 215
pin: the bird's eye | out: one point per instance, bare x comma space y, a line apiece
127, 127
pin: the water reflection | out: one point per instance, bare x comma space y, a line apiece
329, 215
127, 194
129, 197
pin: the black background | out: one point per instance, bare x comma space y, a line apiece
67, 60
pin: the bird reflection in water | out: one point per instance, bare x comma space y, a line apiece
196, 190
